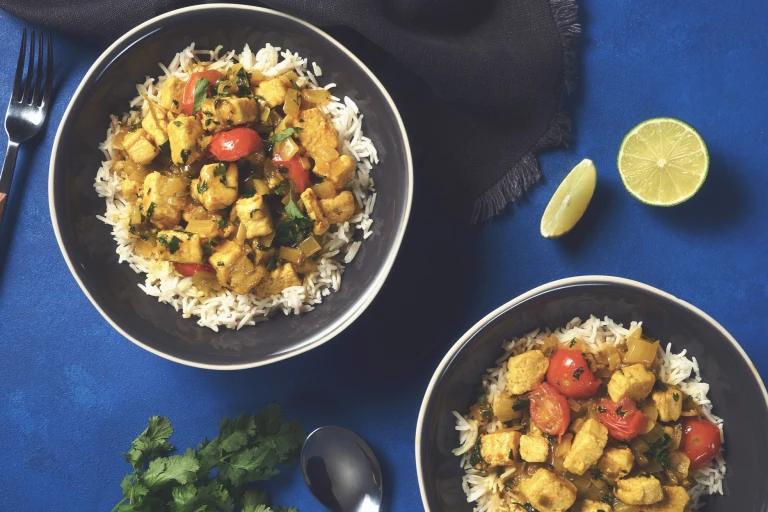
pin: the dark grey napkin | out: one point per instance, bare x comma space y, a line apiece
478, 82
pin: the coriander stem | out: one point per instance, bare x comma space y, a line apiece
118, 505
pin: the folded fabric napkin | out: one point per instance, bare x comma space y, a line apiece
478, 82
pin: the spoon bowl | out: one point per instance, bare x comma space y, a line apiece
341, 471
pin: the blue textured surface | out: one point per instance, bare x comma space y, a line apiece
73, 392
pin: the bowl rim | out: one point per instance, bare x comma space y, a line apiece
560, 283
374, 287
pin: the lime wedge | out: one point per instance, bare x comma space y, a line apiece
663, 161
570, 200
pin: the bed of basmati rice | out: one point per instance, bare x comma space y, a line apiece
340, 244
676, 370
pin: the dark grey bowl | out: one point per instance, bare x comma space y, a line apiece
737, 392
90, 251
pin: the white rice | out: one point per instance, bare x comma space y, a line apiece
676, 370
226, 308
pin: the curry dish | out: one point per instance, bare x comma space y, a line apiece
235, 178
584, 430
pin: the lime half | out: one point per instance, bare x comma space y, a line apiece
570, 200
663, 161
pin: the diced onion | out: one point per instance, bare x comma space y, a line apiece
136, 215
504, 408
317, 96
326, 154
117, 140
652, 414
309, 246
640, 351
564, 446
324, 190
291, 254
240, 237
144, 248
205, 228
266, 240
583, 482
287, 148
205, 281
291, 105
321, 168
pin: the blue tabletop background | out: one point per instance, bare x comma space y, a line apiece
74, 393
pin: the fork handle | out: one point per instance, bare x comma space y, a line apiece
6, 175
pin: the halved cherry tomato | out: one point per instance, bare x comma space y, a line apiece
188, 98
701, 441
296, 172
549, 409
623, 419
234, 144
569, 373
190, 269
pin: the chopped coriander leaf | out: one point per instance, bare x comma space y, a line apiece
222, 223
221, 169
202, 187
621, 412
200, 93
177, 123
134, 127
577, 373
185, 155
175, 103
293, 84
527, 506
573, 342
172, 245
151, 210
292, 209
659, 450
676, 397
600, 409
279, 137
519, 404
165, 148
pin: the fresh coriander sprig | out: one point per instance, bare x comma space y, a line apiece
249, 448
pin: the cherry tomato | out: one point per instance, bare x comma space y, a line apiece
190, 269
298, 174
623, 419
701, 441
549, 409
234, 144
569, 373
188, 98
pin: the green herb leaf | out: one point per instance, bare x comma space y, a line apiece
527, 506
185, 155
659, 450
172, 245
202, 187
222, 223
676, 397
221, 169
176, 468
621, 412
200, 93
519, 404
577, 373
151, 443
151, 210
279, 137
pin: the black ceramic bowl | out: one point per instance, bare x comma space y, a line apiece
737, 392
90, 251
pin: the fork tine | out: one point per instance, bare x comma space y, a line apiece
16, 94
36, 96
48, 74
30, 68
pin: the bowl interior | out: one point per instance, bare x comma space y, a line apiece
736, 393
88, 244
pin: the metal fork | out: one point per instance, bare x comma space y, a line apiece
27, 109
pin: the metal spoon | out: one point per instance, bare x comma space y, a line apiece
341, 471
